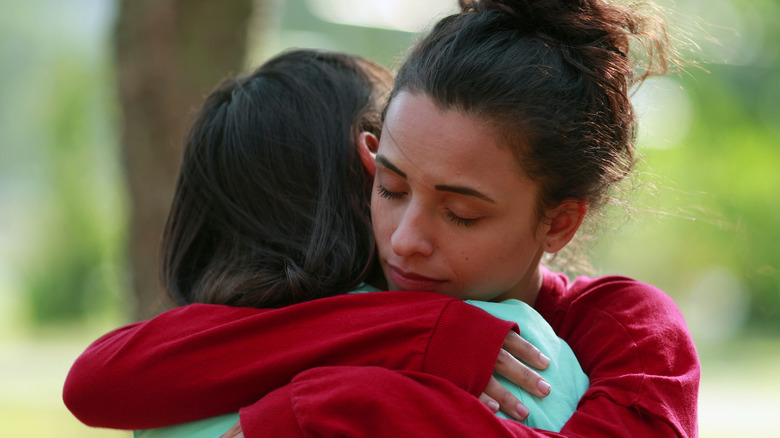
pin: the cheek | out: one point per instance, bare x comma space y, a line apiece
498, 253
381, 220
469, 257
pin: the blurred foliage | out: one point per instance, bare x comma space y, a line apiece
75, 275
64, 178
737, 147
704, 226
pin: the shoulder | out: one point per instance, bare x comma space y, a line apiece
612, 311
631, 340
623, 299
615, 316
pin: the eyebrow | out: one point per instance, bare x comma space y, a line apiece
465, 191
440, 187
386, 163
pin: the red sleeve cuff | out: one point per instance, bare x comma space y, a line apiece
466, 358
273, 415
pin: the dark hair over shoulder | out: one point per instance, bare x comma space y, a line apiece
553, 76
272, 202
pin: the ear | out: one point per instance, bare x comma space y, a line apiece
561, 224
367, 146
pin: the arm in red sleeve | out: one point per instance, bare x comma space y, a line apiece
630, 338
633, 344
371, 401
204, 360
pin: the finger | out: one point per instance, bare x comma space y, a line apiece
521, 375
525, 351
508, 403
489, 402
234, 432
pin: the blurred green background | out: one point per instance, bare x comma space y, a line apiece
703, 224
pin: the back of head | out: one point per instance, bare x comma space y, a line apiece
272, 202
553, 78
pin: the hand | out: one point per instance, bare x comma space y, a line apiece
496, 396
234, 432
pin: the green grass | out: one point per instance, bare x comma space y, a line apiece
740, 389
21, 420
32, 370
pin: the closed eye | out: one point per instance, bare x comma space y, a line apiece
457, 220
383, 192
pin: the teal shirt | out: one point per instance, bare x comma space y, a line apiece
564, 374
208, 427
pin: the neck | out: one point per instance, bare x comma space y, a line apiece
527, 289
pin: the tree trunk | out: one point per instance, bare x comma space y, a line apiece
170, 54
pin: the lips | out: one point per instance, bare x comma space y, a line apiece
411, 281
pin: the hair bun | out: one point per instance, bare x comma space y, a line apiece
522, 12
571, 22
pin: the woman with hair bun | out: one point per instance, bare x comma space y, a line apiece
507, 124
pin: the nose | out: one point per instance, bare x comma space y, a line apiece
412, 236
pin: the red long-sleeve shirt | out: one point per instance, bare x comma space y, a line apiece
630, 339
203, 360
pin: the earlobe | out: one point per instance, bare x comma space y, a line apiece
367, 145
562, 224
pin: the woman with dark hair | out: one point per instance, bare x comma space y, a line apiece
264, 149
270, 210
507, 124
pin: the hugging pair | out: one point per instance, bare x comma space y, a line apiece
317, 176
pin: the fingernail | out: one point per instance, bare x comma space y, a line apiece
544, 387
493, 406
545, 360
522, 411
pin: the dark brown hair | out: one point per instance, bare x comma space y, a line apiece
272, 203
553, 76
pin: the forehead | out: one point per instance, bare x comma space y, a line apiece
421, 136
